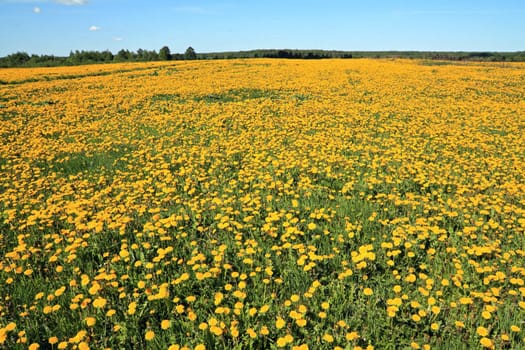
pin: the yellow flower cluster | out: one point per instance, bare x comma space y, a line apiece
263, 204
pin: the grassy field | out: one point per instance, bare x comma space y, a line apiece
334, 204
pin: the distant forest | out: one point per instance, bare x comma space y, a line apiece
23, 59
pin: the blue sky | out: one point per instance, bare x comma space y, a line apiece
59, 26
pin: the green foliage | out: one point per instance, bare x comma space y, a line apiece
190, 54
237, 95
16, 59
22, 59
165, 54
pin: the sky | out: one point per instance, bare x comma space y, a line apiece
59, 26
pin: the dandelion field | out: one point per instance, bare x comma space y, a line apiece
263, 204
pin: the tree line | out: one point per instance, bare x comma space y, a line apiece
23, 59
518, 56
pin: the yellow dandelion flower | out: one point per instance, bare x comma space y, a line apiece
149, 335
280, 323
282, 342
328, 338
179, 309
482, 331
111, 312
466, 301
302, 309
99, 303
486, 342
264, 330
132, 307
301, 347
264, 309
165, 324
301, 322
287, 339
216, 330
90, 321
251, 333
252, 311
351, 336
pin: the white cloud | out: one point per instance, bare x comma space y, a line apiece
37, 10
94, 28
72, 2
116, 38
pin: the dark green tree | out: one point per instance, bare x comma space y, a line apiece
122, 55
165, 54
140, 55
18, 59
190, 54
106, 56
151, 55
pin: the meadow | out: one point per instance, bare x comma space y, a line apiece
263, 204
